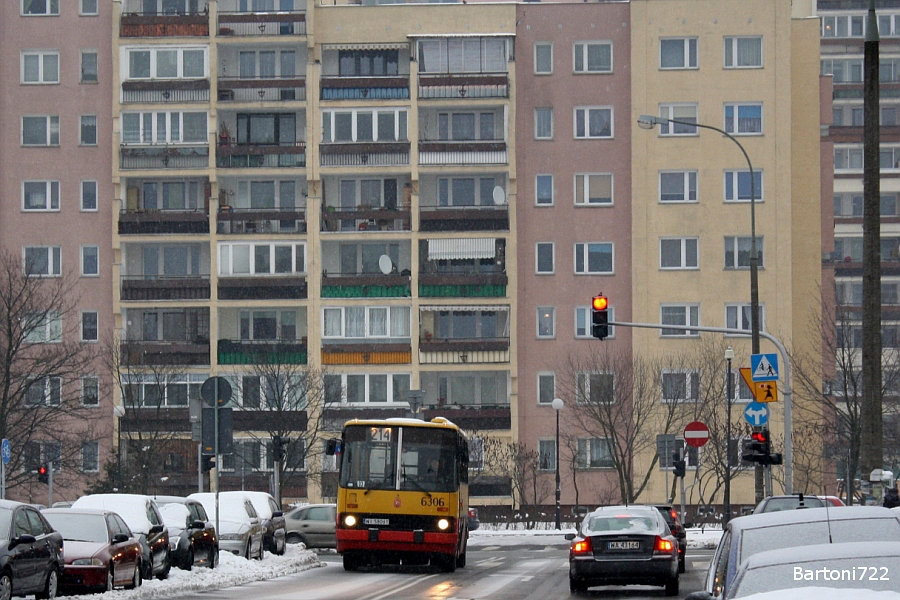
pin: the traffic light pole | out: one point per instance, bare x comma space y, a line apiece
786, 394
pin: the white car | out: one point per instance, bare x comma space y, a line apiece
239, 526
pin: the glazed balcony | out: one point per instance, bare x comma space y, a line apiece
361, 154
366, 285
363, 352
144, 222
174, 91
462, 350
233, 220
262, 288
470, 152
463, 268
164, 157
261, 23
147, 353
365, 218
463, 85
365, 88
260, 156
464, 218
140, 288
144, 24
267, 352
261, 89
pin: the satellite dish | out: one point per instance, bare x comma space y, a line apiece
499, 195
385, 264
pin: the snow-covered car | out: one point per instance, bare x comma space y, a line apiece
192, 536
239, 528
271, 518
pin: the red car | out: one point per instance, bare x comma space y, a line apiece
101, 553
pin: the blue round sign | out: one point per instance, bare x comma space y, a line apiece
5, 451
757, 414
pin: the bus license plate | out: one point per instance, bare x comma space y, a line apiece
376, 522
624, 545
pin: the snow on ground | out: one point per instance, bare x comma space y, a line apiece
703, 538
232, 571
820, 593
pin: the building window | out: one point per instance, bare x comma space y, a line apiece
546, 387
89, 71
40, 66
40, 195
546, 322
844, 70
593, 258
737, 186
90, 326
593, 123
465, 126
547, 455
592, 189
544, 190
88, 132
667, 445
679, 253
262, 259
371, 388
90, 457
595, 388
89, 195
89, 7
167, 63
164, 127
737, 316
42, 328
678, 53
476, 453
584, 322
463, 55
359, 125
43, 261
40, 7
365, 63
847, 26
44, 391
90, 261
544, 262
366, 322
743, 52
594, 453
40, 130
593, 57
678, 186
154, 391
680, 386
543, 58
684, 315
737, 252
90, 390
744, 119
678, 112
543, 123
848, 158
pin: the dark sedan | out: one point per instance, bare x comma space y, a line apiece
31, 555
192, 536
101, 552
790, 502
674, 522
620, 545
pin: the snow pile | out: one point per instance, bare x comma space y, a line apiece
703, 538
232, 570
820, 593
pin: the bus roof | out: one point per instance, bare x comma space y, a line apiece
438, 422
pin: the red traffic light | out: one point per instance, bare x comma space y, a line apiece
42, 470
760, 436
600, 303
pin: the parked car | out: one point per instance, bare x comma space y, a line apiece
240, 530
313, 525
674, 522
746, 536
101, 552
271, 518
31, 555
832, 500
142, 516
192, 536
791, 502
623, 545
472, 520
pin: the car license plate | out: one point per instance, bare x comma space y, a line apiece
376, 522
624, 545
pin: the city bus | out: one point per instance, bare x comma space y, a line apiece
403, 493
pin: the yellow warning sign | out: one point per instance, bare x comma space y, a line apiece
765, 391
748, 379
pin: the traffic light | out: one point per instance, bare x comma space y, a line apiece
679, 465
278, 444
207, 462
600, 317
43, 474
759, 450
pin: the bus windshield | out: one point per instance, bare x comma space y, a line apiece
427, 459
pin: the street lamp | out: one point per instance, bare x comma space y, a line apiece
649, 122
729, 397
557, 405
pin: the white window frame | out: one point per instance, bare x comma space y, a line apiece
732, 53
538, 377
52, 129
126, 74
81, 130
87, 12
583, 48
87, 467
84, 251
739, 314
691, 317
329, 117
684, 244
583, 455
583, 114
84, 314
51, 384
685, 52
51, 10
583, 182
537, 262
367, 322
543, 45
47, 331
583, 385
673, 110
583, 248
193, 381
51, 195
42, 67
54, 260
226, 258
84, 386
537, 187
154, 134
690, 186
691, 383
732, 190
848, 158
584, 314
547, 443
96, 207
734, 242
542, 313
368, 388
732, 125
87, 52
538, 111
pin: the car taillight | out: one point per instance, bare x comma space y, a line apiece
662, 546
472, 514
674, 514
582, 546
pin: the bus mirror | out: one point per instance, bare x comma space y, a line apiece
331, 447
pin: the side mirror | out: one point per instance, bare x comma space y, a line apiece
156, 529
119, 538
25, 538
198, 524
277, 514
570, 536
698, 596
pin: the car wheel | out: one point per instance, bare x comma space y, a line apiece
136, 579
681, 565
576, 586
447, 563
294, 538
247, 551
461, 561
110, 579
672, 587
189, 561
262, 551
164, 574
283, 547
51, 587
5, 586
213, 558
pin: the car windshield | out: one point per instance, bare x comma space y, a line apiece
843, 573
622, 523
778, 504
792, 535
80, 528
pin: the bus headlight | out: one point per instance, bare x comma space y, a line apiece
443, 524
350, 521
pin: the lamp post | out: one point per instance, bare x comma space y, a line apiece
557, 405
649, 122
729, 397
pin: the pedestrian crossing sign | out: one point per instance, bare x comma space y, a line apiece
764, 367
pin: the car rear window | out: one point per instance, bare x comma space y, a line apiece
793, 535
778, 504
621, 523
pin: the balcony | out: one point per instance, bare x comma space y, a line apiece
232, 220
267, 352
462, 284
464, 85
147, 353
365, 88
366, 353
262, 24
144, 222
137, 24
261, 89
365, 218
174, 91
356, 154
464, 218
260, 156
262, 288
164, 157
138, 288
472, 418
471, 152
463, 350
352, 285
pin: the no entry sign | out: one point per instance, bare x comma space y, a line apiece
696, 434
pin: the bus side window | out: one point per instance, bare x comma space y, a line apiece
463, 462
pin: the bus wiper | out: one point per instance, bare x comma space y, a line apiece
415, 483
